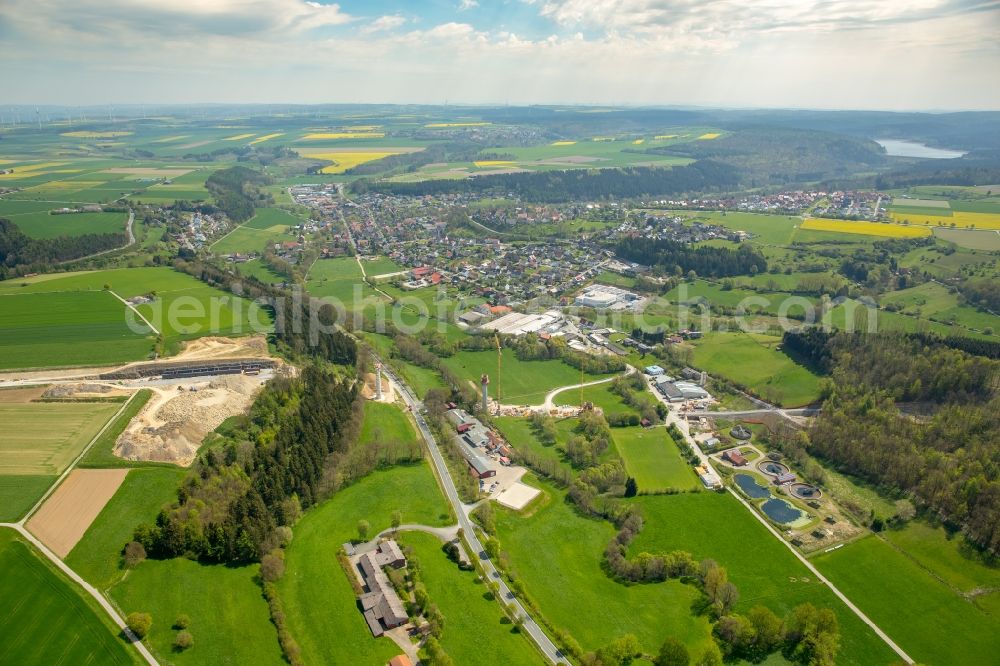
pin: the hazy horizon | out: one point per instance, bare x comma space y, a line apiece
930, 55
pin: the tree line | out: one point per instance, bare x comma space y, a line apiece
578, 184
20, 254
678, 258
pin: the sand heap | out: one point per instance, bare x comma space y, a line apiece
172, 425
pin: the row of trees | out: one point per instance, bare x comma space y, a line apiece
674, 257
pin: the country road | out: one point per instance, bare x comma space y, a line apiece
544, 643
19, 526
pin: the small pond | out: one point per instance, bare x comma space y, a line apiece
750, 487
780, 511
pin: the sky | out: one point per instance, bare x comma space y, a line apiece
824, 54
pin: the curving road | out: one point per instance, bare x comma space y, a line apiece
544, 643
551, 395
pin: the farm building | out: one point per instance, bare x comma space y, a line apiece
381, 606
400, 660
653, 370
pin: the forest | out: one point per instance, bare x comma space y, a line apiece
677, 258
235, 191
20, 254
778, 156
561, 186
945, 456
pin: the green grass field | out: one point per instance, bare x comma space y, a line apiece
936, 302
753, 361
45, 619
19, 492
229, 616
932, 622
713, 525
385, 422
381, 266
471, 618
520, 382
318, 599
144, 491
44, 437
600, 395
651, 456
68, 329
340, 279
946, 556
557, 555
268, 226
184, 307
44, 225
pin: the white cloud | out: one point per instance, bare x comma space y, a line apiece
384, 24
717, 52
464, 5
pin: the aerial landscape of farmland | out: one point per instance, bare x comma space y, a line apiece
572, 333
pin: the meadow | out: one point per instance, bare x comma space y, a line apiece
600, 395
473, 632
229, 616
97, 556
651, 457
45, 619
754, 361
37, 327
933, 625
936, 302
318, 600
340, 279
520, 382
43, 224
556, 554
386, 422
184, 307
266, 227
971, 239
717, 526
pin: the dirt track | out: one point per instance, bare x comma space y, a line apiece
64, 518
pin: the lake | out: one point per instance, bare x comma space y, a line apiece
897, 148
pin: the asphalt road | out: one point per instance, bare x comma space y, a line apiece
544, 643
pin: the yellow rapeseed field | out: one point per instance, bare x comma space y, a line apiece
95, 135
960, 219
343, 160
638, 141
29, 170
239, 137
563, 143
345, 135
494, 163
710, 135
865, 228
266, 137
478, 124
